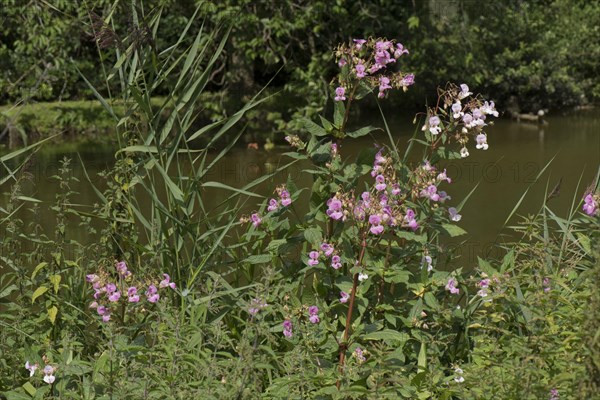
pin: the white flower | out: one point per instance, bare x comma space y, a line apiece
482, 293
481, 141
458, 378
426, 260
48, 374
454, 215
464, 153
464, 91
31, 368
362, 277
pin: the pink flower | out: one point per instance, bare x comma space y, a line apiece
339, 93
133, 297
256, 219
285, 198
590, 206
314, 317
409, 219
327, 249
451, 286
344, 297
400, 50
122, 269
287, 328
360, 71
152, 294
114, 297
334, 210
336, 262
359, 43
380, 183
273, 205
313, 258
408, 80
166, 282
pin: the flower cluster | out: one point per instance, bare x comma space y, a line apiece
385, 204
547, 285
484, 284
284, 199
48, 370
367, 62
313, 317
256, 305
255, 218
287, 328
328, 251
108, 293
359, 354
590, 204
460, 116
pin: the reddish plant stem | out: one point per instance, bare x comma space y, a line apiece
344, 343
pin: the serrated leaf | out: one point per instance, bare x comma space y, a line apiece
38, 268
412, 236
387, 335
38, 292
274, 245
52, 312
453, 230
339, 109
313, 128
361, 132
313, 236
259, 259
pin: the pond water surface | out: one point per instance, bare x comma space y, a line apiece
518, 152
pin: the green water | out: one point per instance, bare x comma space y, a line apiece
517, 154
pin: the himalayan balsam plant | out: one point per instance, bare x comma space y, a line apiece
371, 233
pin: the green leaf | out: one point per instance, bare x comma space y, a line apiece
29, 389
339, 109
55, 280
52, 312
486, 267
313, 236
387, 335
422, 360
312, 127
38, 292
259, 259
412, 236
453, 230
362, 131
8, 290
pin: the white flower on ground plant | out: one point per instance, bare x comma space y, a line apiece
49, 374
31, 368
